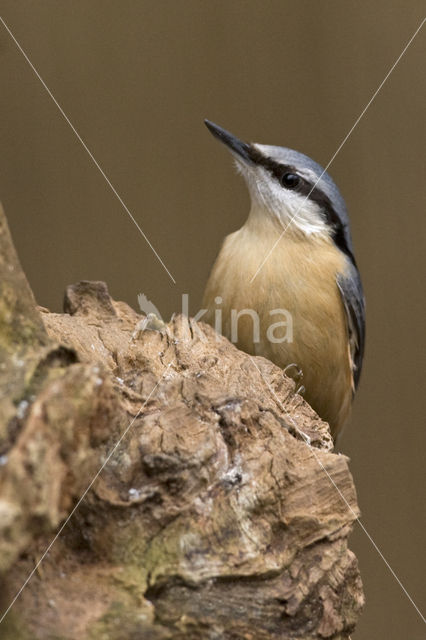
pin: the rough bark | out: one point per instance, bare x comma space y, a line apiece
213, 518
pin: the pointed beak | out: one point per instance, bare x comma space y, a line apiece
238, 147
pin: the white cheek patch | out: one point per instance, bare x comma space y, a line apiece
304, 214
290, 208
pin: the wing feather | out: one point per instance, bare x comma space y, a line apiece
351, 291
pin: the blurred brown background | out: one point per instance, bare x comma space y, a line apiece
136, 79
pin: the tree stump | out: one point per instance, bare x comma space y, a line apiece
216, 516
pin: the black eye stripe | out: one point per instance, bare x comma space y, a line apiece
272, 166
304, 187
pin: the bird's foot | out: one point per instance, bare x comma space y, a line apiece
294, 372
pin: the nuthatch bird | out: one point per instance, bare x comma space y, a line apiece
295, 253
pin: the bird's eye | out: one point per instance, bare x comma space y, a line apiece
290, 180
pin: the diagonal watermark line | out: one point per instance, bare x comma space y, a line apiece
86, 148
356, 516
84, 494
339, 148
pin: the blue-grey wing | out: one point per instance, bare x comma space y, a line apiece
350, 288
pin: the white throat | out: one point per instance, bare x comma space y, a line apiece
291, 210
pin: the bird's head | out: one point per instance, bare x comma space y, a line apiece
291, 188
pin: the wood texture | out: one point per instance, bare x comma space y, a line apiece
214, 518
